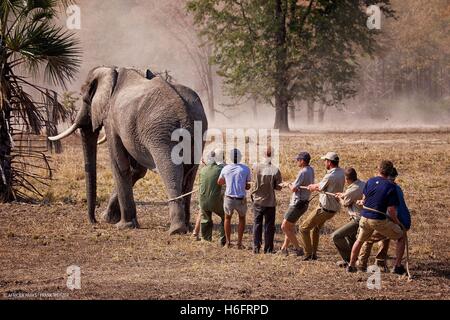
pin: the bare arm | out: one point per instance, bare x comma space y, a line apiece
361, 202
221, 181
392, 212
314, 187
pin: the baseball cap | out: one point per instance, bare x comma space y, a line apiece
332, 156
303, 156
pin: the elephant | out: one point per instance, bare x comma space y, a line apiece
139, 115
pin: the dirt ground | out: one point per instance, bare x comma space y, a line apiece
39, 242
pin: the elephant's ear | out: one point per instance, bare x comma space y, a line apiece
102, 88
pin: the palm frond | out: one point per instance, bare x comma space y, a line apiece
31, 45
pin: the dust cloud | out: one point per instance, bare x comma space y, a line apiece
134, 33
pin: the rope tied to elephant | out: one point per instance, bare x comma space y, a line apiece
183, 195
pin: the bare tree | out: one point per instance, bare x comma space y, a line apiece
179, 23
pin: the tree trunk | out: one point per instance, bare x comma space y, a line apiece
310, 110
281, 115
281, 86
321, 115
6, 191
292, 113
52, 130
255, 109
6, 176
211, 105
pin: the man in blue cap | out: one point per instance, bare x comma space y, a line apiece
380, 214
299, 202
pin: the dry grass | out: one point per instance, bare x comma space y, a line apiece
38, 243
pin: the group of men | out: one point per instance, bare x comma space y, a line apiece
377, 209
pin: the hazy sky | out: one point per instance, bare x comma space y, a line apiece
128, 33
131, 33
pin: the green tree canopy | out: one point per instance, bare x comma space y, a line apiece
282, 50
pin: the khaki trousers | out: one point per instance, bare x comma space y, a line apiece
310, 230
366, 249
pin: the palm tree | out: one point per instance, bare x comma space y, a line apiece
30, 45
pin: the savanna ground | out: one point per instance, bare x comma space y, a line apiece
38, 242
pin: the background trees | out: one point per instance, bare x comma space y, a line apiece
180, 25
413, 62
283, 50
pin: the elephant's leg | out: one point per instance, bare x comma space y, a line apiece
121, 169
190, 172
112, 212
172, 176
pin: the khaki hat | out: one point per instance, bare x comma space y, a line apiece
332, 156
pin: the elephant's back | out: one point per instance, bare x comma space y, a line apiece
149, 111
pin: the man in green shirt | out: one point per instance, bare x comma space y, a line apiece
211, 196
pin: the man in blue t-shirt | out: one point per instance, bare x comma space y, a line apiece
236, 176
380, 196
404, 216
383, 242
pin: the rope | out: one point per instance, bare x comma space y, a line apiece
388, 217
183, 195
323, 192
333, 194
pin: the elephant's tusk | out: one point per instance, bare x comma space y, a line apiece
65, 134
102, 140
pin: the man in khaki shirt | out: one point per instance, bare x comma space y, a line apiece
345, 236
332, 182
267, 179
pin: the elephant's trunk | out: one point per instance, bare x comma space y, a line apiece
90, 160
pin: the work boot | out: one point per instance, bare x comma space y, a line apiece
351, 269
256, 250
361, 267
399, 270
342, 264
283, 252
196, 237
299, 252
382, 265
310, 257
